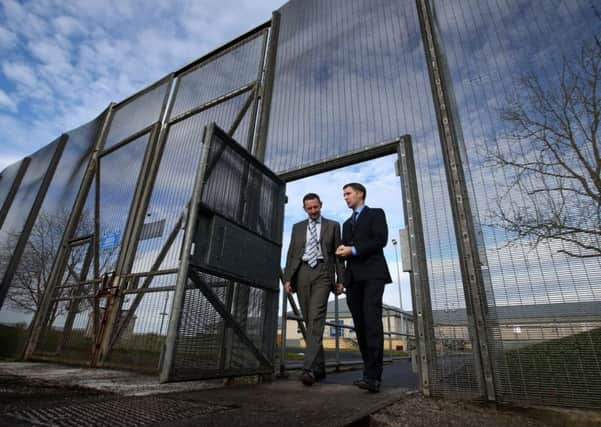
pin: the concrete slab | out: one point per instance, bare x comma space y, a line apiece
125, 383
50, 394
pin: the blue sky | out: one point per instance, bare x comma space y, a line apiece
63, 62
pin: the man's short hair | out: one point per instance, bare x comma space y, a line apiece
311, 196
357, 187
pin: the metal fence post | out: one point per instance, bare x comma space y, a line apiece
267, 88
182, 277
58, 265
15, 258
389, 332
465, 233
14, 187
283, 334
420, 289
338, 330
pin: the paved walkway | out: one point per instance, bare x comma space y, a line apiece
49, 394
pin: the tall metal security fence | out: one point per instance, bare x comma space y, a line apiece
110, 277
508, 296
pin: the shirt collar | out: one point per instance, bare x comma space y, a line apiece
359, 209
317, 221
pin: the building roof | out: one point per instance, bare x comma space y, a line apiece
344, 311
561, 312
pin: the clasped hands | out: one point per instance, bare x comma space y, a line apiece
344, 251
337, 290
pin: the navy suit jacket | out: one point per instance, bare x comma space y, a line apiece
369, 237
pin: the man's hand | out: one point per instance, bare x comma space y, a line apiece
288, 288
339, 288
344, 251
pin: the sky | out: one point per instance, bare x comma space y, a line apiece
62, 63
383, 191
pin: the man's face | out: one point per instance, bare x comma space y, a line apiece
352, 197
313, 208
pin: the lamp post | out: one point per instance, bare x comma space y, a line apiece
398, 276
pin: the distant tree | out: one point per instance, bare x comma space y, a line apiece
553, 158
33, 272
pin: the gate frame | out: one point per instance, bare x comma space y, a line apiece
463, 219
420, 288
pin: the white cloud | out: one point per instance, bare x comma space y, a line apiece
8, 39
7, 103
68, 25
76, 57
19, 72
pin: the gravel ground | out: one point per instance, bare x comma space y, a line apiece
417, 411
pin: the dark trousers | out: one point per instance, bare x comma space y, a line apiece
313, 287
365, 302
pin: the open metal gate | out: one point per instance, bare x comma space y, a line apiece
224, 314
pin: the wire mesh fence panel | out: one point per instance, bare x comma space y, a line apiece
173, 185
118, 172
22, 291
353, 75
8, 178
136, 114
225, 323
544, 306
141, 329
218, 76
241, 192
34, 268
207, 346
69, 330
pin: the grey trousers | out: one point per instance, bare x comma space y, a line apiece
313, 288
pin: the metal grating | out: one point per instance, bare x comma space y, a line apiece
130, 411
206, 345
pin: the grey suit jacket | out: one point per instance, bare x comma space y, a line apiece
329, 239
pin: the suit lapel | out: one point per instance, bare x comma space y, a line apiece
303, 231
322, 231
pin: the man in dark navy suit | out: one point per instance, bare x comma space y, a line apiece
364, 236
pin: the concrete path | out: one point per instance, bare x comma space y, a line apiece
50, 394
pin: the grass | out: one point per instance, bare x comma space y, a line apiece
563, 371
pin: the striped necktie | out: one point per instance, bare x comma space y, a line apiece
312, 251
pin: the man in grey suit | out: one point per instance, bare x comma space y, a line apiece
313, 271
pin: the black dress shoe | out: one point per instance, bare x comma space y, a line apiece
368, 384
319, 375
360, 383
373, 386
307, 378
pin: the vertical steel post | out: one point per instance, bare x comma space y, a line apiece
14, 187
338, 330
420, 289
473, 283
168, 359
267, 88
15, 258
283, 334
58, 267
126, 257
389, 332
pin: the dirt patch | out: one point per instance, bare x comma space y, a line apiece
417, 411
